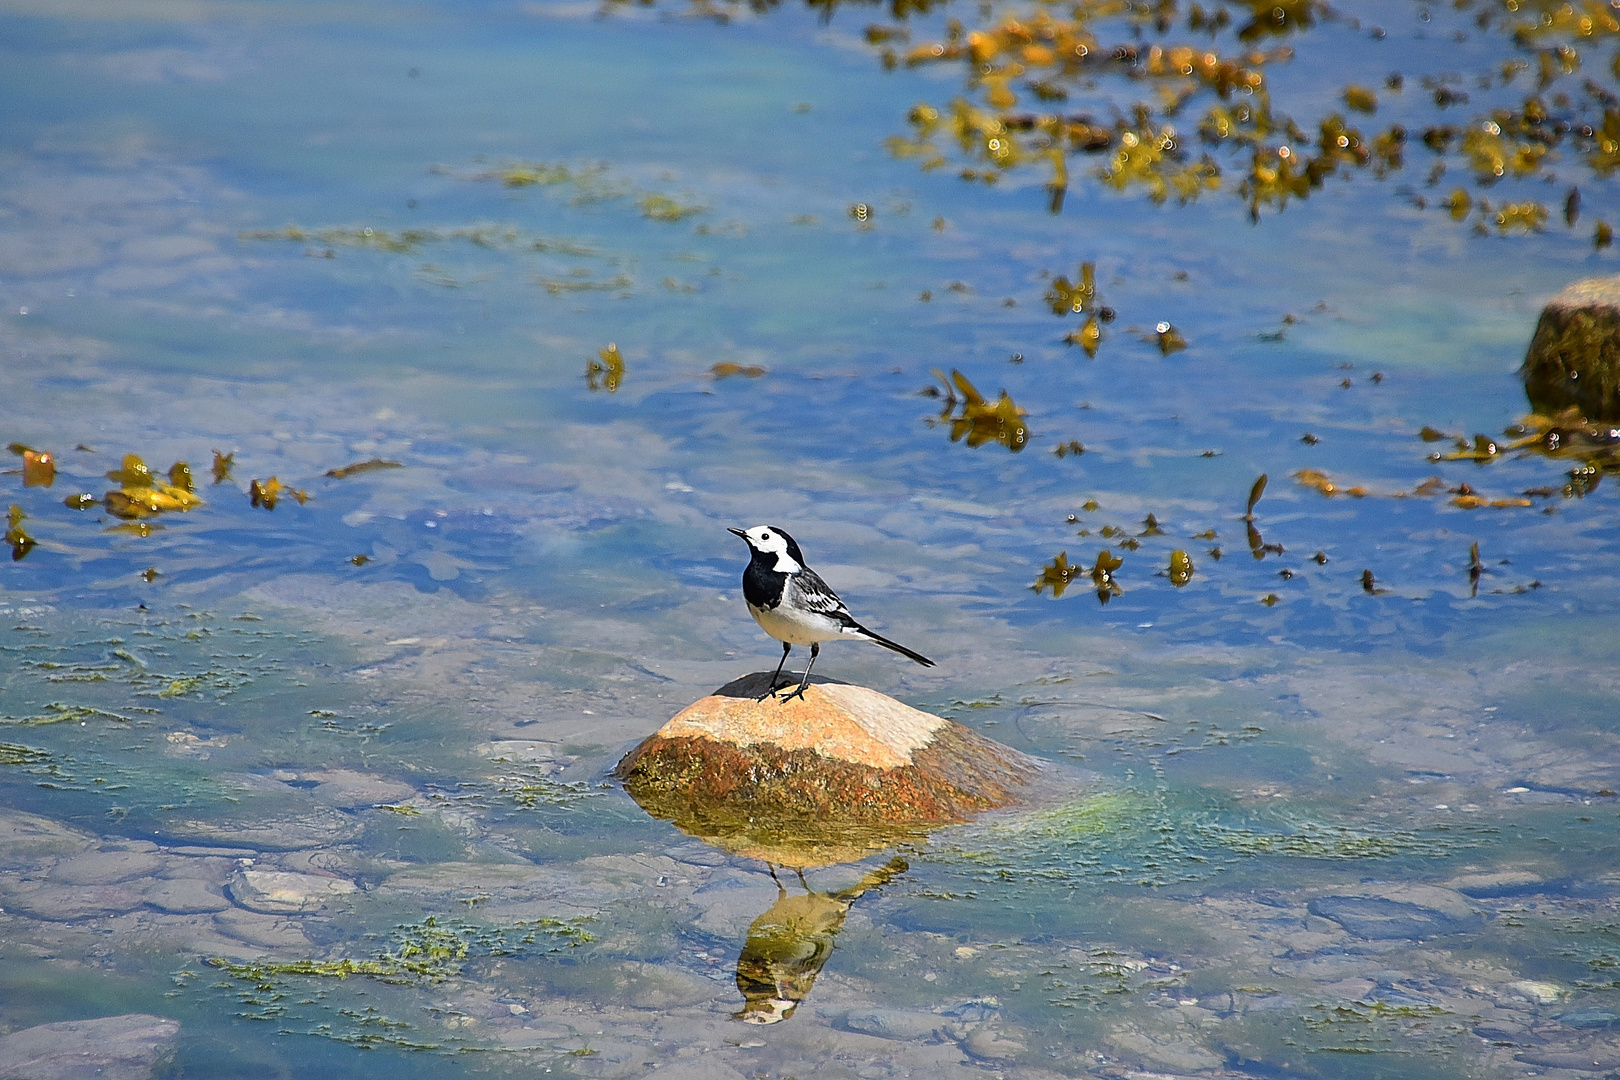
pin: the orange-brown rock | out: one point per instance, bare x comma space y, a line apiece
820, 779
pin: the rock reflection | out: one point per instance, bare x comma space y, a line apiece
792, 941
839, 775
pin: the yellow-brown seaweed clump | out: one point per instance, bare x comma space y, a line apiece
980, 421
140, 495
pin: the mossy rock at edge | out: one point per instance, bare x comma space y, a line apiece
1574, 358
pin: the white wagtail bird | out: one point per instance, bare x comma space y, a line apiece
793, 605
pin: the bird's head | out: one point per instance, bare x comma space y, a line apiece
766, 1011
772, 545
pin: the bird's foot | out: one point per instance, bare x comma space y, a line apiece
790, 695
775, 686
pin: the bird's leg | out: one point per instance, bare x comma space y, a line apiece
786, 648
815, 650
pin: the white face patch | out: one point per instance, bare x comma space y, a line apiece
766, 539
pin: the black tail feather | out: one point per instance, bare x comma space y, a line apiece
879, 639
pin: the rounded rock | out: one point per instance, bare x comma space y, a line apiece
1574, 358
825, 778
129, 1047
278, 892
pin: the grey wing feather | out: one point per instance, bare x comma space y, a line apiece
816, 595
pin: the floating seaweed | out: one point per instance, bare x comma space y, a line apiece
222, 466
19, 539
1050, 52
140, 495
1483, 449
1088, 337
1320, 482
370, 465
1566, 435
1079, 296
1169, 338
727, 369
1257, 489
1102, 575
606, 370
38, 466
1257, 544
981, 421
267, 494
1056, 574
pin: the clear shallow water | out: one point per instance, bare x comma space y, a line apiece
1347, 834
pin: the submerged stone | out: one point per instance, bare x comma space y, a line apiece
105, 867
185, 896
278, 892
349, 790
1379, 919
894, 1023
66, 903
820, 779
1574, 358
110, 1048
990, 1043
320, 827
265, 931
28, 839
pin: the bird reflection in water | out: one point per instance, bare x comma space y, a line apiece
789, 944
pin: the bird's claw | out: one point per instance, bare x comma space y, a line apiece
797, 693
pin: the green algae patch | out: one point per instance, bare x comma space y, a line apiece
430, 951
1149, 839
58, 713
1302, 838
664, 208
410, 241
16, 754
528, 787
590, 183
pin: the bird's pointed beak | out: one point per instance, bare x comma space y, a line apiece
738, 532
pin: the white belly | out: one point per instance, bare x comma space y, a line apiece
795, 628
